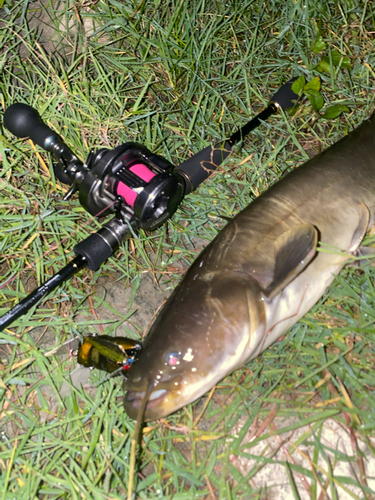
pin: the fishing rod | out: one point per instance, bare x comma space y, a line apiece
142, 189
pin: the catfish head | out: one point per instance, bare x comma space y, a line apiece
204, 332
221, 316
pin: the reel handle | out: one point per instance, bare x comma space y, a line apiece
24, 121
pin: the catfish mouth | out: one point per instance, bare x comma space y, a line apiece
158, 404
133, 401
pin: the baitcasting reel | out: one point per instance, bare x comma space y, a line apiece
142, 189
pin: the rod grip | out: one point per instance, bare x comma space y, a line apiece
196, 169
24, 121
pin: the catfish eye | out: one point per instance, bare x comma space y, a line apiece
173, 358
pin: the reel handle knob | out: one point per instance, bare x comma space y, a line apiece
24, 121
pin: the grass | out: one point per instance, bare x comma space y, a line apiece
175, 76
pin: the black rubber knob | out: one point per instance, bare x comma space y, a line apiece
24, 121
95, 249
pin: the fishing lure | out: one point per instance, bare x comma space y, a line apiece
103, 352
108, 353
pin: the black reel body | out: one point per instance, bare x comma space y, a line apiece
150, 191
138, 186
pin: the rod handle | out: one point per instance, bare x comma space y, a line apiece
197, 168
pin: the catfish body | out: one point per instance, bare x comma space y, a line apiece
259, 276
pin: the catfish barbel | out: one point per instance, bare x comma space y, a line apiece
258, 277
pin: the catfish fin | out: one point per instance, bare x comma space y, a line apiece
362, 228
294, 250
